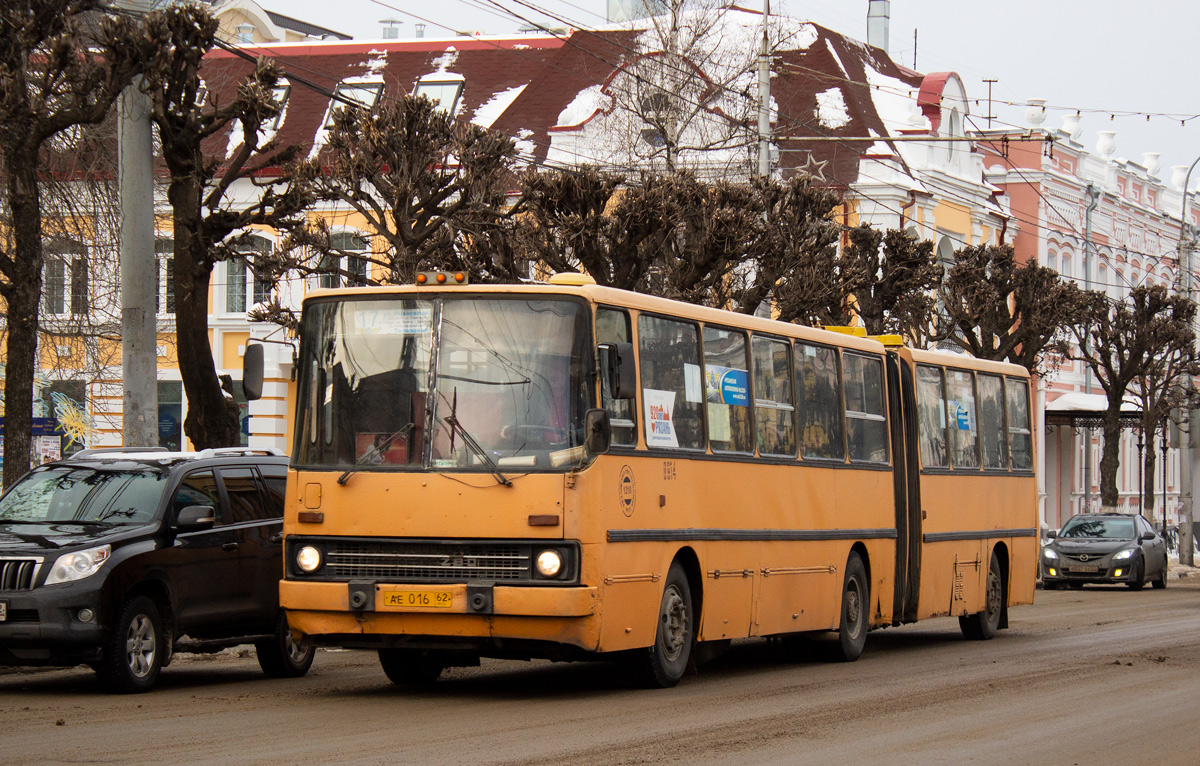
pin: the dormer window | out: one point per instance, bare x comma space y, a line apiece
279, 94
443, 91
362, 94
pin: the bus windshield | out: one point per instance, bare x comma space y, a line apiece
446, 383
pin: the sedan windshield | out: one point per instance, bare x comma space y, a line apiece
67, 494
1104, 528
463, 383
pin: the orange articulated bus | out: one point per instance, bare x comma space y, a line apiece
570, 471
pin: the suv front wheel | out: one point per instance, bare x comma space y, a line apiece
280, 656
134, 653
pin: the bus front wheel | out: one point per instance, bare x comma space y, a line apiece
664, 663
983, 625
410, 667
856, 600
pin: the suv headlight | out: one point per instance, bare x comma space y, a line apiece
78, 565
1122, 555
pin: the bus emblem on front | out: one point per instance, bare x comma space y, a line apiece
627, 494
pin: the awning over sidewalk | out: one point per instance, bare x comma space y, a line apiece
1087, 411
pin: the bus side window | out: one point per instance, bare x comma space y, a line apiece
672, 385
931, 416
612, 326
993, 437
1020, 436
866, 421
727, 391
819, 399
773, 410
960, 411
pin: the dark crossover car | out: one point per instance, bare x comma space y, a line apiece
118, 558
1105, 548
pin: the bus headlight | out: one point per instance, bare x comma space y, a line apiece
549, 563
308, 559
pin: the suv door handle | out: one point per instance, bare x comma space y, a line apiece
229, 546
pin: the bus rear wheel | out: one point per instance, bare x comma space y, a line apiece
983, 625
855, 615
664, 663
410, 667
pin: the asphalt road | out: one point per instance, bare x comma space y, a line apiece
1099, 675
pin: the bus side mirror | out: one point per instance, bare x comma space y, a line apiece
616, 365
252, 372
598, 431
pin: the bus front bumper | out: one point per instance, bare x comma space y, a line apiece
317, 609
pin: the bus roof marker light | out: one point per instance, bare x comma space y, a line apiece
422, 279
441, 279
571, 279
857, 332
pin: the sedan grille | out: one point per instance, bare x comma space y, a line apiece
428, 562
18, 574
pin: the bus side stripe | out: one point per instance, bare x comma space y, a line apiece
677, 535
985, 534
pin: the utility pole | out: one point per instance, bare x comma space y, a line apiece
764, 98
1188, 452
139, 357
1093, 195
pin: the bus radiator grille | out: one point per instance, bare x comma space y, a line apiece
428, 562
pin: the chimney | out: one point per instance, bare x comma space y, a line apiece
879, 13
391, 28
420, 28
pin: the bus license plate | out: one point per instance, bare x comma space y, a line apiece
418, 599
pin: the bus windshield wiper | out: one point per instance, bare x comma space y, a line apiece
376, 451
457, 427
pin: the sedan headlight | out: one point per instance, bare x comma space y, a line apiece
78, 565
1122, 555
1049, 553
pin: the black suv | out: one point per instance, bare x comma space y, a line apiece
117, 558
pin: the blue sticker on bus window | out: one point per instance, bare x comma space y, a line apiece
727, 385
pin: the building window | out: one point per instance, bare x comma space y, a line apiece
350, 271
445, 93
65, 278
241, 268
361, 94
164, 293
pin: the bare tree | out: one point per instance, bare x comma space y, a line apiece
998, 309
433, 188
209, 224
900, 276
679, 99
1124, 341
62, 64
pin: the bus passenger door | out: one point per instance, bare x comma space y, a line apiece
906, 474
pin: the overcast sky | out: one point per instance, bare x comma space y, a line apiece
1102, 55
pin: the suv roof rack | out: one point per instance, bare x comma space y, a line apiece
93, 451
238, 451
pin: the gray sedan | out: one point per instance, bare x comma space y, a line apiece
1105, 548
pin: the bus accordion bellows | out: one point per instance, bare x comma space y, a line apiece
570, 471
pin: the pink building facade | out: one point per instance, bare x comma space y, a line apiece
1064, 195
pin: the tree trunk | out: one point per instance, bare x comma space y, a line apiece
1148, 481
212, 419
1110, 460
23, 294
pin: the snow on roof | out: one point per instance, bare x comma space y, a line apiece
1076, 401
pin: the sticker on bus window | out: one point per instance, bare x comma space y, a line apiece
660, 414
963, 414
394, 321
691, 383
727, 385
